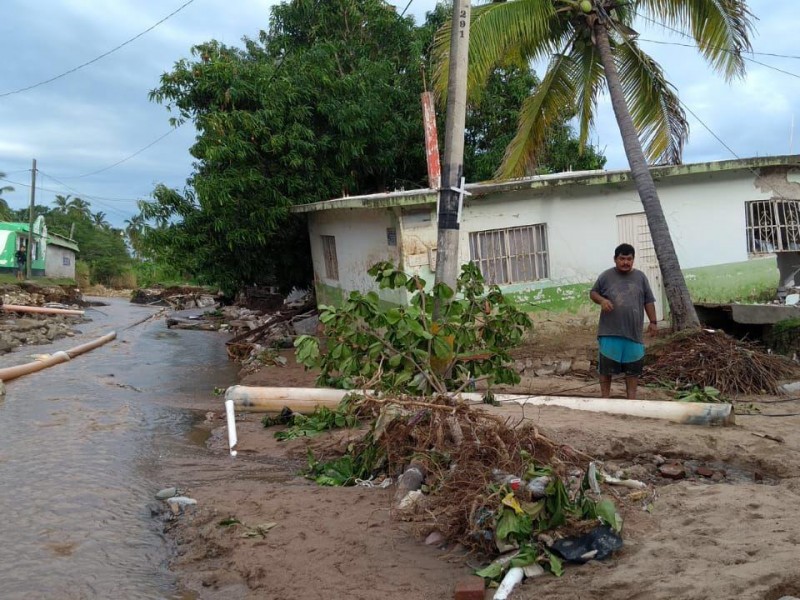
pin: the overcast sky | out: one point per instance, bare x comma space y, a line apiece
99, 115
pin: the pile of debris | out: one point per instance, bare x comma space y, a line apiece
259, 335
17, 329
468, 477
177, 297
713, 358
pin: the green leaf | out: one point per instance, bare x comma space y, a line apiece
556, 566
493, 571
511, 523
607, 512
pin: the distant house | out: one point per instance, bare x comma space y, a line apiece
51, 255
14, 236
60, 257
544, 239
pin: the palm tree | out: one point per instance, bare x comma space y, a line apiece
591, 45
5, 210
99, 220
62, 203
80, 206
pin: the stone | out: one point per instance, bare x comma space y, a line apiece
672, 471
563, 367
581, 365
658, 460
758, 476
470, 588
545, 371
166, 493
704, 471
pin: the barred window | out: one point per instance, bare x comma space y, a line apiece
329, 253
511, 255
772, 226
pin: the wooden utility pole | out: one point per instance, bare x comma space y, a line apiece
450, 194
30, 222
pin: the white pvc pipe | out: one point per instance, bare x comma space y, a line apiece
231, 417
41, 310
10, 373
306, 400
512, 578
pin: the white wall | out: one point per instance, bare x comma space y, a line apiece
54, 262
705, 214
360, 243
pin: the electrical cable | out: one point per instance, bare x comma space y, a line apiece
127, 158
94, 60
624, 38
753, 60
686, 35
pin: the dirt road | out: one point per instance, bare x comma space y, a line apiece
727, 530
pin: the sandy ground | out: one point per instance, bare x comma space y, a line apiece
733, 538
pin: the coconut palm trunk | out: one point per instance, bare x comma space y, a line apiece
682, 311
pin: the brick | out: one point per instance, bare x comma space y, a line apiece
470, 588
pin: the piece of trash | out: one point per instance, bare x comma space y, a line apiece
512, 578
181, 501
538, 486
533, 570
592, 475
628, 483
766, 436
371, 484
409, 500
259, 530
603, 541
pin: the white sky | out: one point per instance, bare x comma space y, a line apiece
100, 114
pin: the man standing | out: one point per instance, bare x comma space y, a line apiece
623, 293
22, 259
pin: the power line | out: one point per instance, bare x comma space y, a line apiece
127, 158
82, 195
686, 35
94, 60
753, 60
638, 52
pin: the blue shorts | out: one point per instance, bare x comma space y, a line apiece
620, 355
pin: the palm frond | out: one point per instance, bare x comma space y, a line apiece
653, 104
538, 113
721, 28
527, 29
590, 81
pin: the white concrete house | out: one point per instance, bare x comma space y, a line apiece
545, 239
60, 257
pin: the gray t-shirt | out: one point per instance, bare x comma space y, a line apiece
628, 292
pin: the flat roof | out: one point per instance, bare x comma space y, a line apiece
598, 177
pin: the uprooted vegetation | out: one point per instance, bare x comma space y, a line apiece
714, 359
488, 486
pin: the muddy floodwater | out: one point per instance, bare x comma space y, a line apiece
85, 445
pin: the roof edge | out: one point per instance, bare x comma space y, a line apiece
597, 177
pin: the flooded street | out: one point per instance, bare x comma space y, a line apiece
85, 445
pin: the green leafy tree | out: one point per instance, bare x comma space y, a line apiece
321, 105
591, 45
402, 349
6, 214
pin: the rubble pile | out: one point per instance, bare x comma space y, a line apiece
177, 298
17, 329
260, 335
